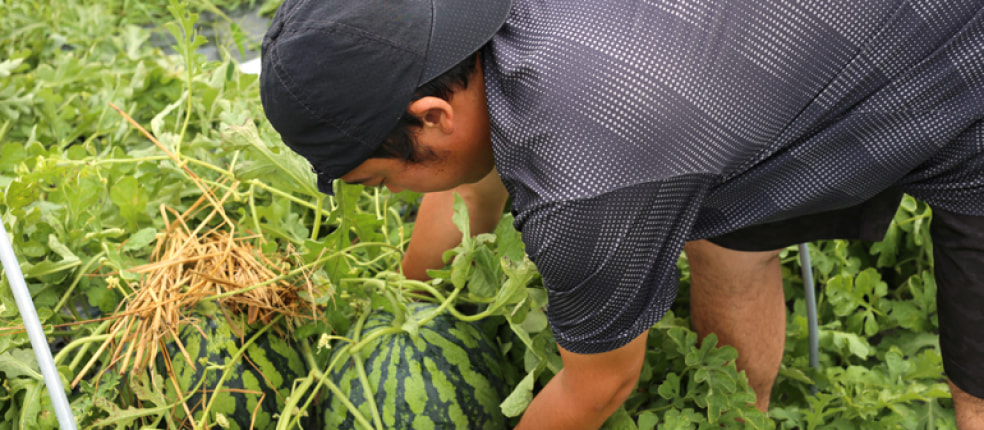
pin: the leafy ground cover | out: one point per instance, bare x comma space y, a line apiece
85, 195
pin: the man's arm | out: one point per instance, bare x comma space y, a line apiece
434, 232
588, 389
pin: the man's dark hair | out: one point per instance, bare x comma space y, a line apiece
399, 143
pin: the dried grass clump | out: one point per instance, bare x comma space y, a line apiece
195, 264
192, 265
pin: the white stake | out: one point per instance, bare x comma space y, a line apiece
34, 331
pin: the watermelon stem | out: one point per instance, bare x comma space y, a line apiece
399, 312
325, 379
315, 229
360, 366
252, 208
496, 305
360, 343
313, 375
376, 334
96, 336
287, 415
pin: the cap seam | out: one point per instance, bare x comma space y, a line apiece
355, 31
289, 84
430, 40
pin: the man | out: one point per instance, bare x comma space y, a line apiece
623, 130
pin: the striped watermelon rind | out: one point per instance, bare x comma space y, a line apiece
447, 376
260, 381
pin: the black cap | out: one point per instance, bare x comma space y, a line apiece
338, 74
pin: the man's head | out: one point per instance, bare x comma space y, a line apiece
447, 134
339, 75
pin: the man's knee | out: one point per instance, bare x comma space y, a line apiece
969, 409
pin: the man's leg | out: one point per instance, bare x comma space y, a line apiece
958, 255
969, 409
739, 297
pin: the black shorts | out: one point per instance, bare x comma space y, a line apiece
958, 254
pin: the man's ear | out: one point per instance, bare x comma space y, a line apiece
434, 112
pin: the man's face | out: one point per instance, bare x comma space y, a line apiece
444, 171
455, 131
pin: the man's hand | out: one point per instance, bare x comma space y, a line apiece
587, 390
434, 232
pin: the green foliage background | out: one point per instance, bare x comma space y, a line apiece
81, 193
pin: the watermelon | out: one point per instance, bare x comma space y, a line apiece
260, 381
449, 375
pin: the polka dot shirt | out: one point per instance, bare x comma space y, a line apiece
624, 128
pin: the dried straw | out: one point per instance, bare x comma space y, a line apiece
189, 265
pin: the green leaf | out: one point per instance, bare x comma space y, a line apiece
928, 364
518, 276
670, 388
719, 380
11, 155
103, 298
907, 316
60, 249
461, 268
118, 417
869, 282
648, 420
620, 420
157, 125
515, 404
535, 322
20, 363
146, 390
141, 239
32, 405
887, 249
486, 273
21, 193
717, 403
283, 169
69, 260
461, 219
131, 199
8, 66
923, 290
8, 305
854, 343
508, 242
681, 419
795, 374
870, 324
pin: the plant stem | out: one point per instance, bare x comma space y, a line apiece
316, 227
360, 368
288, 411
84, 341
78, 277
96, 162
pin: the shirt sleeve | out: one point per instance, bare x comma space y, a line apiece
609, 262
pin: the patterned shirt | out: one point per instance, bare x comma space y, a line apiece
624, 128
